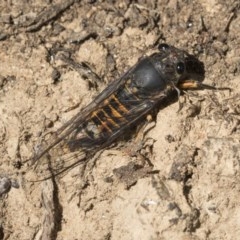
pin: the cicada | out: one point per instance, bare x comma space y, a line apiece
123, 104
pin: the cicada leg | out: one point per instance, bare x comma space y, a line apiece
138, 147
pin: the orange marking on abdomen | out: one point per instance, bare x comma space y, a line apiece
103, 123
110, 119
121, 106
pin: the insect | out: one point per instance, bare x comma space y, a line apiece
124, 103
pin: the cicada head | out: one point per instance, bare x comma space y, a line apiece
177, 65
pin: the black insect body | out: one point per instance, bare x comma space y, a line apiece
126, 101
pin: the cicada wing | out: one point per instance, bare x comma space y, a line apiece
63, 134
57, 167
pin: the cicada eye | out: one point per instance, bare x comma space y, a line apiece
163, 47
180, 68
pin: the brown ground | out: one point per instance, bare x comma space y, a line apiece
194, 195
